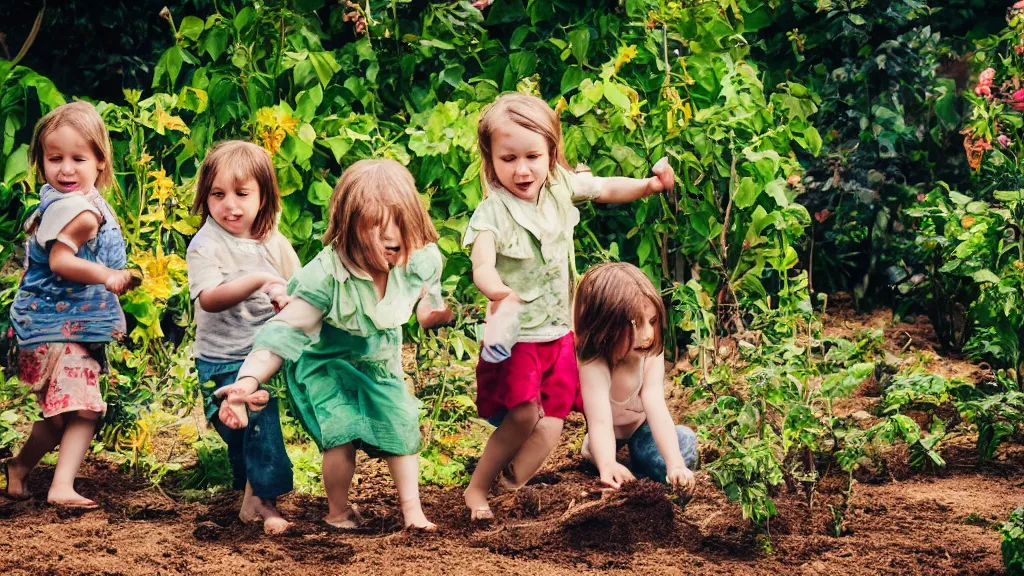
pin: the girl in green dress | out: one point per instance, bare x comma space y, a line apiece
339, 340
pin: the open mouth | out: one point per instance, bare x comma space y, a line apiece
524, 186
392, 249
70, 185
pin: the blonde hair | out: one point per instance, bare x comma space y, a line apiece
609, 298
368, 195
244, 160
527, 111
84, 119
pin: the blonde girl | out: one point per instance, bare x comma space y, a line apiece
66, 309
340, 338
521, 235
238, 264
618, 316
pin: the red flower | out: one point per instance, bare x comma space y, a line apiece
822, 216
1018, 99
921, 197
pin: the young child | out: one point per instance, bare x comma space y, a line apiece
522, 241
340, 338
618, 316
66, 308
238, 264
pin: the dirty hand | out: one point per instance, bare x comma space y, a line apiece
682, 478
616, 475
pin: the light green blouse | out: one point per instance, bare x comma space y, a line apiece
346, 383
534, 250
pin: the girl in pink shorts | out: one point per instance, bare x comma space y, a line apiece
521, 234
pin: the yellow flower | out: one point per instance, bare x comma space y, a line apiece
144, 159
162, 186
272, 123
165, 120
626, 53
160, 272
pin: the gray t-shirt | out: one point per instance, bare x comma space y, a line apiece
214, 257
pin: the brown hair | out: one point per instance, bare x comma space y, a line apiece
84, 119
528, 111
367, 196
245, 160
609, 297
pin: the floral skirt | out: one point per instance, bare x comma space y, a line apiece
64, 375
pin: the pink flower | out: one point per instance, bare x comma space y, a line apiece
1003, 140
1018, 49
1018, 97
1018, 5
481, 4
921, 197
987, 75
983, 90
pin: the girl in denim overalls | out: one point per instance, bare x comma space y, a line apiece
66, 308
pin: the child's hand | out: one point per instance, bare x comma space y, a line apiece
278, 295
236, 398
664, 177
616, 476
682, 478
119, 281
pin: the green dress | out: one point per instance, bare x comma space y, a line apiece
347, 385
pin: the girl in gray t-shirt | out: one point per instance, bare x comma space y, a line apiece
238, 264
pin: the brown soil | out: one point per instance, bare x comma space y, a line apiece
562, 523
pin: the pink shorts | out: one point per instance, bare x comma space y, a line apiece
543, 372
64, 375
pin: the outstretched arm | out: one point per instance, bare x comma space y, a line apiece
64, 262
619, 189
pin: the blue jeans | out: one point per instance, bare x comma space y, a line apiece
646, 461
256, 452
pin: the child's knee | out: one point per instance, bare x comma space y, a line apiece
687, 445
525, 415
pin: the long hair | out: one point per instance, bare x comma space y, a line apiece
609, 300
368, 195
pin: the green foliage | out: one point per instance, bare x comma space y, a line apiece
1013, 542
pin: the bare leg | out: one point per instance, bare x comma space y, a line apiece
535, 450
44, 437
405, 471
338, 468
73, 445
501, 447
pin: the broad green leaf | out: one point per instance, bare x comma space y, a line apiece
16, 168
339, 146
325, 65
614, 94
216, 42
983, 276
579, 41
746, 193
191, 27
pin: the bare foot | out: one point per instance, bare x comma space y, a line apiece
16, 475
273, 522
68, 498
479, 510
347, 520
412, 511
250, 511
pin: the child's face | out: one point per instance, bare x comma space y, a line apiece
234, 204
521, 160
391, 240
644, 332
69, 163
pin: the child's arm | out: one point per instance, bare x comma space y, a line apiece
261, 364
485, 276
619, 189
64, 262
231, 293
652, 396
596, 383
